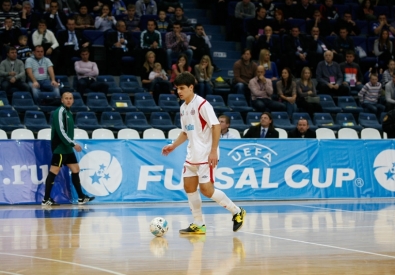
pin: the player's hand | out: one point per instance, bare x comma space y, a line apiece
78, 148
213, 159
167, 149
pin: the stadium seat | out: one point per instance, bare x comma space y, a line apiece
347, 133
102, 134
238, 103
236, 121
23, 101
80, 134
153, 134
95, 37
35, 121
348, 104
235, 133
145, 103
87, 121
218, 103
370, 133
169, 103
162, 121
78, 105
282, 133
325, 120
281, 120
3, 134
4, 104
174, 133
346, 120
368, 120
97, 102
112, 121
9, 120
44, 134
253, 117
122, 103
328, 105
22, 134
128, 134
137, 121
325, 133
48, 102
177, 121
296, 116
129, 84
110, 81
64, 83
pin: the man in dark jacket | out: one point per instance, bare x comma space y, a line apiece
302, 130
56, 19
264, 129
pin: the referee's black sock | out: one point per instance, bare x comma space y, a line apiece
75, 178
49, 184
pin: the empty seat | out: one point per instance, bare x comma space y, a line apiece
102, 134
218, 103
347, 133
325, 120
137, 121
112, 121
253, 118
368, 120
328, 105
78, 105
144, 102
87, 121
238, 103
3, 134
44, 134
370, 133
23, 101
9, 120
153, 134
35, 121
174, 133
129, 84
122, 103
325, 133
4, 104
22, 134
80, 134
282, 133
110, 81
281, 120
169, 103
346, 120
348, 104
128, 134
97, 102
162, 121
236, 121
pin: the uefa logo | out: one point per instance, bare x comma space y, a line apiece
384, 169
101, 173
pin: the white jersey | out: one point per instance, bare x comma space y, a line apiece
197, 118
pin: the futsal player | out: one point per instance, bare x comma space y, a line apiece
201, 127
62, 145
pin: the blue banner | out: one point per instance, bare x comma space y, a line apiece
249, 169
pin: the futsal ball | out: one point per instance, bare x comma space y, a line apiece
158, 226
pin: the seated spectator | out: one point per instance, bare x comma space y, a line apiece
279, 25
307, 98
271, 71
243, 71
224, 121
147, 68
70, 6
41, 75
105, 21
264, 129
346, 22
271, 43
269, 8
382, 24
261, 89
29, 19
255, 28
330, 77
383, 49
369, 96
288, 10
390, 94
177, 43
328, 10
23, 49
387, 75
365, 11
180, 18
325, 27
12, 73
204, 73
296, 49
44, 37
169, 5
151, 40
179, 67
162, 22
118, 8
244, 10
353, 77
342, 44
158, 75
302, 130
131, 19
286, 90
6, 11
9, 34
144, 7
45, 6
87, 72
84, 20
56, 19
305, 10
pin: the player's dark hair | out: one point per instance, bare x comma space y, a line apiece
184, 78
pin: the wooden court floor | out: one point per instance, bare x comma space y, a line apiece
283, 237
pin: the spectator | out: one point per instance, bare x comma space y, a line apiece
41, 75
328, 10
144, 7
270, 43
180, 18
44, 37
318, 45
255, 28
105, 21
264, 129
23, 49
45, 6
302, 130
7, 12
87, 72
288, 10
353, 76
382, 24
325, 27
97, 9
244, 70
269, 8
366, 11
390, 94
330, 77
177, 43
29, 19
9, 34
346, 22
369, 96
151, 40
279, 25
147, 68
296, 49
387, 75
56, 19
159, 76
118, 8
84, 20
383, 49
224, 121
261, 93
204, 73
244, 10
180, 67
286, 89
162, 22
169, 5
271, 71
131, 19
70, 6
307, 98
12, 73
342, 44
305, 10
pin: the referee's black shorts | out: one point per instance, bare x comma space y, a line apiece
63, 159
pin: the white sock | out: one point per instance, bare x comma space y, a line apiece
195, 203
224, 201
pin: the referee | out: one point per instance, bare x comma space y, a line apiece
62, 144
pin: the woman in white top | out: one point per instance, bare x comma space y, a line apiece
105, 21
203, 74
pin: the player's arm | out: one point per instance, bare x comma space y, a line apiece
213, 157
182, 137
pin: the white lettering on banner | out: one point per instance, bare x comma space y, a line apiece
247, 178
33, 173
266, 179
18, 173
344, 174
220, 174
1, 167
169, 181
146, 177
252, 151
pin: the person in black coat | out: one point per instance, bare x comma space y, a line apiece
56, 19
296, 49
302, 130
264, 129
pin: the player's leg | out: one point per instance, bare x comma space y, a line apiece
56, 163
75, 179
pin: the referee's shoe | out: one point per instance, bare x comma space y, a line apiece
85, 199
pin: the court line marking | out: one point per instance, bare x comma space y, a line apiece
11, 273
64, 262
323, 245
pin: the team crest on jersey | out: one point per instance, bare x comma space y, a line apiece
192, 112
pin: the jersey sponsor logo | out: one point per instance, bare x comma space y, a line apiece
192, 112
384, 169
189, 127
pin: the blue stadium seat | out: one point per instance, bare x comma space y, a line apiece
4, 100
218, 103
301, 23
9, 120
23, 101
97, 102
137, 121
253, 118
382, 10
110, 81
112, 121
368, 120
122, 103
296, 116
363, 26
348, 104
325, 120
328, 105
64, 83
87, 121
281, 120
129, 83
78, 105
361, 42
162, 121
238, 103
236, 121
177, 120
144, 102
347, 120
48, 102
95, 37
169, 103
35, 121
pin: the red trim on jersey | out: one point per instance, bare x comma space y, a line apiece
202, 121
211, 174
199, 163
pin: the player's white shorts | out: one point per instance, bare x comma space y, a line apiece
204, 171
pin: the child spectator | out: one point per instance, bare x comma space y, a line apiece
370, 94
162, 23
158, 72
23, 50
